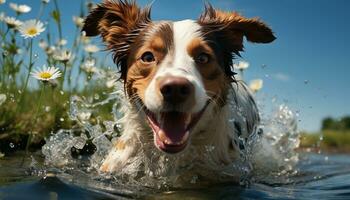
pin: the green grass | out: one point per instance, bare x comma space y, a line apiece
18, 121
327, 140
32, 108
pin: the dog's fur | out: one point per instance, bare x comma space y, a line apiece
197, 55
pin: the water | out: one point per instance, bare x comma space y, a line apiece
268, 167
318, 176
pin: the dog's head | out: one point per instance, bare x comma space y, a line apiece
173, 70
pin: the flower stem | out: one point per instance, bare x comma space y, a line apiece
29, 70
63, 75
35, 120
59, 20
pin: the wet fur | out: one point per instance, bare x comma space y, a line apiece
214, 143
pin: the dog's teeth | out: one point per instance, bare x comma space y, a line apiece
166, 141
184, 138
188, 119
162, 136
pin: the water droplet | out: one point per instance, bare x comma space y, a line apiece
36, 55
263, 66
306, 82
11, 145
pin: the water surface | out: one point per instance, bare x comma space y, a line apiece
318, 176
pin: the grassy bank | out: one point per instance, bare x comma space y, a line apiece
327, 141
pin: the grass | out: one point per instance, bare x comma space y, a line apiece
327, 140
16, 123
31, 109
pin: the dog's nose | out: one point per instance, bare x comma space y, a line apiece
176, 89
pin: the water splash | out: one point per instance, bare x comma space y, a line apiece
268, 154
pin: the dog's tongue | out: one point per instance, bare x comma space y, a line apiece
174, 125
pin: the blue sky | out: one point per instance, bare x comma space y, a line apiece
307, 65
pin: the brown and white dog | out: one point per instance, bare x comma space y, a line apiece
185, 108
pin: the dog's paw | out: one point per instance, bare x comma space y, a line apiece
117, 158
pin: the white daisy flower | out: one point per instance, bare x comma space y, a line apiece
62, 55
89, 66
90, 48
31, 28
20, 8
111, 83
46, 74
12, 22
242, 65
78, 21
62, 42
256, 85
50, 50
2, 1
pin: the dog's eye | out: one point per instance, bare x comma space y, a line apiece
147, 57
203, 58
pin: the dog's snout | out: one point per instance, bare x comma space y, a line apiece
176, 89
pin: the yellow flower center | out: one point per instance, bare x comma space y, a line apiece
32, 31
45, 75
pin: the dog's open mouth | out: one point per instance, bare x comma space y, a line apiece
172, 129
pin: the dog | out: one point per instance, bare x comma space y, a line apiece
186, 112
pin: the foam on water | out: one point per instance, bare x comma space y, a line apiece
269, 154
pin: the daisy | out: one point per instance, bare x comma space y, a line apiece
12, 22
46, 74
78, 21
61, 42
89, 66
111, 83
31, 28
242, 65
20, 8
62, 55
50, 50
91, 48
256, 85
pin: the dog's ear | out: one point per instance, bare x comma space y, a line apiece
118, 22
231, 27
227, 29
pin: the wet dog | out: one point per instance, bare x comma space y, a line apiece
179, 80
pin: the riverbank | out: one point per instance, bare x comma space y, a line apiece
328, 141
